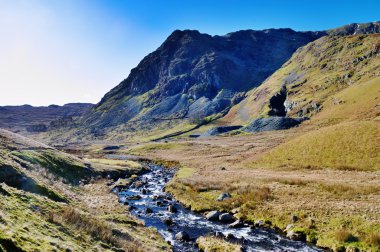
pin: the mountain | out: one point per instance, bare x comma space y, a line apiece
356, 29
194, 75
29, 119
308, 82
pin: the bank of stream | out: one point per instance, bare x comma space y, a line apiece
180, 226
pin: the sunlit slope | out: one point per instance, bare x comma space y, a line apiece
53, 201
352, 142
314, 74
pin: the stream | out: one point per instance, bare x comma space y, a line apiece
148, 201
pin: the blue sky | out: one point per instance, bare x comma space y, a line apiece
60, 51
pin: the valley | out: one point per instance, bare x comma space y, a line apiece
276, 130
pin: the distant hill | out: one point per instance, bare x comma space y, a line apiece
28, 119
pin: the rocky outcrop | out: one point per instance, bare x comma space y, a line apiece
273, 123
355, 29
219, 130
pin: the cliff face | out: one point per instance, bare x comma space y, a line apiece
194, 75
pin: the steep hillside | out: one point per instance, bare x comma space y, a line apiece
308, 83
53, 201
194, 75
27, 119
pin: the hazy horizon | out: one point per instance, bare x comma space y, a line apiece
58, 52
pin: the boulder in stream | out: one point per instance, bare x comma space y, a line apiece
182, 236
148, 210
296, 235
213, 215
226, 217
172, 209
236, 224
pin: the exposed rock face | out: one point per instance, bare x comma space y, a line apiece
193, 75
355, 28
272, 123
219, 130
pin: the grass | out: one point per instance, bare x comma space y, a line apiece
57, 163
346, 146
113, 162
213, 244
95, 227
137, 150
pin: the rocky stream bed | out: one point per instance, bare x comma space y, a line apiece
180, 226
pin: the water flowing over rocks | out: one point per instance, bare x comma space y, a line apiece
181, 227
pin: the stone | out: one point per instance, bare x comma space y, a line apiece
223, 196
273, 123
133, 197
296, 235
235, 210
219, 234
213, 215
289, 227
148, 210
230, 236
236, 224
172, 209
259, 223
168, 221
226, 217
182, 236
294, 218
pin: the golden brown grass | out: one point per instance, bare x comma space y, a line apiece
346, 146
323, 199
213, 244
344, 235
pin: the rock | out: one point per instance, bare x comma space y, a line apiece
213, 215
168, 221
133, 197
219, 130
182, 236
223, 196
172, 209
219, 234
273, 123
226, 217
235, 210
294, 218
144, 191
289, 227
131, 208
236, 224
296, 235
352, 249
259, 223
230, 236
338, 248
223, 168
148, 210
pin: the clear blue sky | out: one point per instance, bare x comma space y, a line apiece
59, 51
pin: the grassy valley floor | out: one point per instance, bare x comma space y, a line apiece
336, 205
